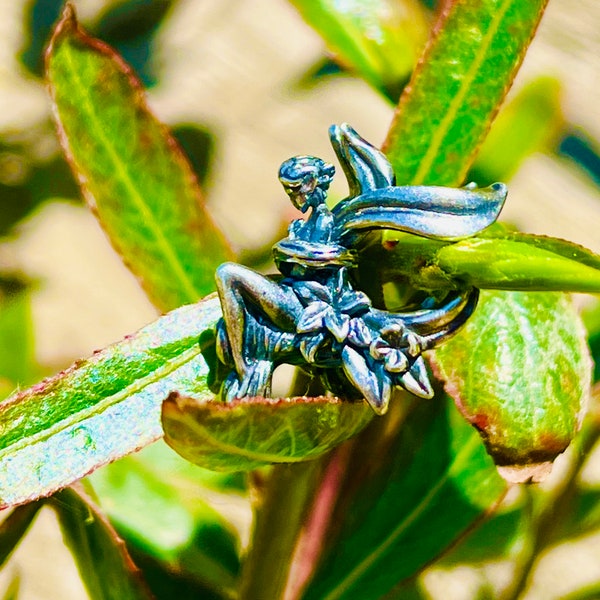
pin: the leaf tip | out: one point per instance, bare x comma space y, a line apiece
68, 15
171, 406
67, 23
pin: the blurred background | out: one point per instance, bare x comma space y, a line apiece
245, 85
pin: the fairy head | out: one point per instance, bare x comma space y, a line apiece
306, 180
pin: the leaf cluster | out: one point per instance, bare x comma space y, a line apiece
355, 506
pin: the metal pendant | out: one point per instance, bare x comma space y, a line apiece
312, 315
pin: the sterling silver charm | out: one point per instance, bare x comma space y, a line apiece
312, 315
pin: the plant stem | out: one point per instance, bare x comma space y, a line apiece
311, 542
278, 522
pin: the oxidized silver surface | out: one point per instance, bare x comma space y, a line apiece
312, 315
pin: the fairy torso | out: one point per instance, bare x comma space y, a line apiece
311, 245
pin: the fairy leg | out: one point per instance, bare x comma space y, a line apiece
241, 288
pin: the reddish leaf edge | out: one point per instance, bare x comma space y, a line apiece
95, 513
444, 13
68, 24
532, 466
178, 407
177, 401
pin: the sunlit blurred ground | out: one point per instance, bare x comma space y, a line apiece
231, 65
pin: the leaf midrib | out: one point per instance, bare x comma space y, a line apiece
264, 457
88, 108
353, 575
130, 390
432, 151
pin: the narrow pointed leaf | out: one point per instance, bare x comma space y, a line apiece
131, 171
527, 389
164, 514
253, 432
522, 262
422, 486
455, 91
101, 408
380, 40
101, 556
497, 259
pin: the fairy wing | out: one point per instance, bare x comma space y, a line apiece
430, 211
376, 203
366, 168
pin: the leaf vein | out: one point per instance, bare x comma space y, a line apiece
449, 117
87, 106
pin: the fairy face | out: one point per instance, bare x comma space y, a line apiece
301, 176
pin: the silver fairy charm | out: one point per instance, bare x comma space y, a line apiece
312, 315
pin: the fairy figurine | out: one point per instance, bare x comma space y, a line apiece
312, 314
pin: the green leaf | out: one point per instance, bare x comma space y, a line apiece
17, 355
522, 262
520, 373
160, 460
457, 87
101, 408
167, 584
379, 39
591, 321
424, 483
496, 260
531, 122
102, 559
165, 515
14, 527
253, 432
132, 172
12, 591
495, 539
588, 592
